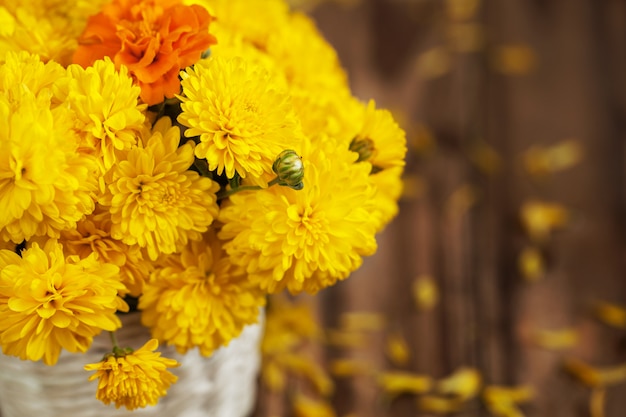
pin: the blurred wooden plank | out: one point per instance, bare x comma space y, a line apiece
487, 311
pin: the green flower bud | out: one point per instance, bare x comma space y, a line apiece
364, 147
289, 169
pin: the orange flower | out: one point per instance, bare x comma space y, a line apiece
155, 39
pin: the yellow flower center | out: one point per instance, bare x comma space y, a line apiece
154, 194
307, 223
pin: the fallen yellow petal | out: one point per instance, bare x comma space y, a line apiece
397, 349
556, 339
540, 161
439, 405
502, 401
464, 383
273, 376
307, 407
361, 321
425, 293
531, 264
518, 394
399, 382
350, 367
541, 218
595, 377
610, 314
347, 339
314, 372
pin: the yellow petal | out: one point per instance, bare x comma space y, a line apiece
464, 383
307, 407
361, 321
397, 349
540, 218
610, 314
531, 264
556, 339
439, 405
540, 161
345, 339
398, 382
595, 377
350, 367
425, 293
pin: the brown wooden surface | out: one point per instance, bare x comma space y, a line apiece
577, 90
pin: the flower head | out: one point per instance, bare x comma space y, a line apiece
93, 236
46, 185
199, 298
242, 114
23, 71
104, 104
48, 303
381, 142
307, 60
251, 21
381, 139
155, 39
155, 201
133, 380
304, 240
24, 28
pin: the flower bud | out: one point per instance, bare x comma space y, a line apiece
364, 147
289, 169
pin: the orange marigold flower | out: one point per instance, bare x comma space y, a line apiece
155, 39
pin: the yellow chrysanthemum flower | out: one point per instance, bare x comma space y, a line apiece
105, 104
48, 303
198, 298
26, 30
253, 21
48, 28
133, 380
381, 142
45, 185
93, 236
304, 240
308, 61
23, 71
155, 201
242, 114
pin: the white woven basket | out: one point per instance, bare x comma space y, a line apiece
223, 385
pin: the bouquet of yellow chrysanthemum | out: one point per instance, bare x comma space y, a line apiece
184, 157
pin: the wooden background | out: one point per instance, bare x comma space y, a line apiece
460, 223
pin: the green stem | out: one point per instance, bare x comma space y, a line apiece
114, 340
227, 193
